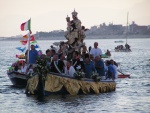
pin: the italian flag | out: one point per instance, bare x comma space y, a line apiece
26, 26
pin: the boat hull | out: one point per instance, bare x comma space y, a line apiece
60, 84
124, 76
17, 79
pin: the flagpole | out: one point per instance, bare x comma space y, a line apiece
127, 28
28, 47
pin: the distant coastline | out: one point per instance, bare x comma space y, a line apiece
87, 37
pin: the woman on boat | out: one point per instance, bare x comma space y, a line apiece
24, 67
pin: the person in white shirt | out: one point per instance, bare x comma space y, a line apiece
24, 67
69, 69
96, 51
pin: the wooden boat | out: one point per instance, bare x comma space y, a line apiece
18, 79
16, 76
62, 84
43, 82
124, 76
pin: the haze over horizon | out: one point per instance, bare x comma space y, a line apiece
49, 15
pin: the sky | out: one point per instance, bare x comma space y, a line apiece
49, 15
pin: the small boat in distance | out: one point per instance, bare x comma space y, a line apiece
119, 41
120, 48
126, 48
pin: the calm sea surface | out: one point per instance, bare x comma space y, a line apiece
132, 95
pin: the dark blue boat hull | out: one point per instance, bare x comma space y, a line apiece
18, 79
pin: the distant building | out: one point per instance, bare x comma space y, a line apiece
104, 29
135, 29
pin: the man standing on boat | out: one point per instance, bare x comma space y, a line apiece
33, 54
96, 51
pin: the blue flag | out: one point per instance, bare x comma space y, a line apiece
21, 49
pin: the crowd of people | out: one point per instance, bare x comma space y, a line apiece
82, 60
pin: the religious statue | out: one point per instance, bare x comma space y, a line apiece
73, 29
75, 33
